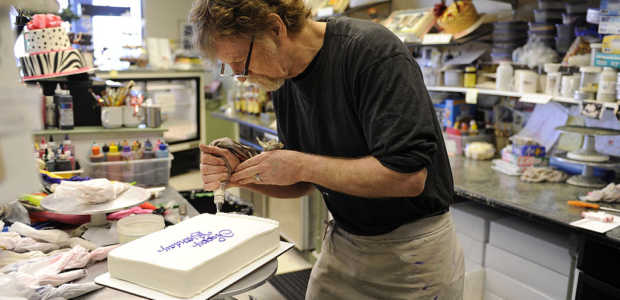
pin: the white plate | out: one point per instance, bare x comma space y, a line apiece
106, 280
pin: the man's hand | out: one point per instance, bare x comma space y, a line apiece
278, 167
213, 166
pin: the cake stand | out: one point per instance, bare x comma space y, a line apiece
587, 156
70, 206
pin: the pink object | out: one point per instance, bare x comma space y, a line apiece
598, 216
136, 210
41, 21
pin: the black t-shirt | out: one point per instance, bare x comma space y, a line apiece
363, 95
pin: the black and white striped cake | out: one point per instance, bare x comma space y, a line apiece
50, 54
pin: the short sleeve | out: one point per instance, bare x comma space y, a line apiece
396, 114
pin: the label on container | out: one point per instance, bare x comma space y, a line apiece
436, 38
609, 25
471, 96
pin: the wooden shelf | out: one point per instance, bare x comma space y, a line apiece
96, 130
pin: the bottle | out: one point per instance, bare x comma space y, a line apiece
106, 150
148, 150
162, 151
67, 146
50, 112
95, 154
42, 148
50, 161
114, 169
470, 77
64, 102
51, 144
607, 85
71, 159
503, 76
127, 154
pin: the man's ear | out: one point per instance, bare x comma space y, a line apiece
277, 28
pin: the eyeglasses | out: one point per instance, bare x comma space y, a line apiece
227, 71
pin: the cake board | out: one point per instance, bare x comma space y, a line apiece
106, 280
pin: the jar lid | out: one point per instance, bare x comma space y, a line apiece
590, 69
470, 69
596, 46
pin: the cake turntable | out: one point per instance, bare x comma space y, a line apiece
587, 156
70, 206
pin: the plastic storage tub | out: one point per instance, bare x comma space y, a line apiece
548, 16
145, 172
463, 140
137, 226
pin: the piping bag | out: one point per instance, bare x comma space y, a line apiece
243, 153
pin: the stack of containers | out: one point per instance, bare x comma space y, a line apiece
548, 14
472, 224
507, 36
574, 16
527, 261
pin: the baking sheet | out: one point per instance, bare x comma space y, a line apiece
106, 280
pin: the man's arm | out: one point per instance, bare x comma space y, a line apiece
281, 191
363, 177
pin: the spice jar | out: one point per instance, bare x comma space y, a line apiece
470, 77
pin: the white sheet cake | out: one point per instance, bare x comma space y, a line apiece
185, 259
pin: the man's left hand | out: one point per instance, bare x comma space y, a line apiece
278, 167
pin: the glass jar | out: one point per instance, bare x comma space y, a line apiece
589, 79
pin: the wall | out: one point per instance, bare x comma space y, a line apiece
163, 18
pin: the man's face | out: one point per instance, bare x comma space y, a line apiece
265, 68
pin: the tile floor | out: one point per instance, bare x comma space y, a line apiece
289, 262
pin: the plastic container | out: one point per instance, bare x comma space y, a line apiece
453, 77
145, 172
547, 4
554, 78
577, 7
570, 83
503, 76
575, 19
137, 226
607, 85
562, 45
548, 16
589, 79
565, 31
463, 140
64, 101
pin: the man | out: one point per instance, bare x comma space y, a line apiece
357, 123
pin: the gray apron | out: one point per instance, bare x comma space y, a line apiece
419, 260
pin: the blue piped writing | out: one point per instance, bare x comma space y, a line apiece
198, 239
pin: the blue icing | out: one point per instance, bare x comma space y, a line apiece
198, 239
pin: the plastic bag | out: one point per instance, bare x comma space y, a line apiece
14, 212
10, 286
67, 291
92, 191
534, 53
55, 236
